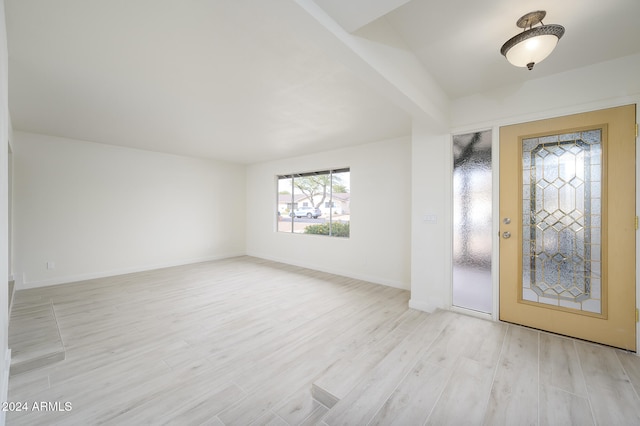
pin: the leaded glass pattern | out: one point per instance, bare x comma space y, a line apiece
562, 192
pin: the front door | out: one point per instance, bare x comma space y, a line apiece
568, 224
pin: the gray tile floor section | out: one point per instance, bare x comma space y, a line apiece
34, 337
249, 342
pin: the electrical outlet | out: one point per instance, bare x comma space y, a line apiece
51, 265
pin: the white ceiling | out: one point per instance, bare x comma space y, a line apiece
459, 41
248, 80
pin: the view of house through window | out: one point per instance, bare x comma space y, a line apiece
315, 203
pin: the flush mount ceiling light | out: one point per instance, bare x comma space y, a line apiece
534, 44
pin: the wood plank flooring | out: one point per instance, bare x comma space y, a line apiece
246, 341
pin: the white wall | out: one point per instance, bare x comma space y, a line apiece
98, 210
431, 219
570, 92
599, 86
5, 355
378, 249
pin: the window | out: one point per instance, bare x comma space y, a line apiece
315, 203
472, 236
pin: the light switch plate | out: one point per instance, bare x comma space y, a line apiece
430, 218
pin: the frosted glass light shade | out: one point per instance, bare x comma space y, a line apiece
532, 50
532, 46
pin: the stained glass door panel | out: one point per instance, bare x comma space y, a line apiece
561, 234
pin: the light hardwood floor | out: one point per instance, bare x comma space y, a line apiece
246, 341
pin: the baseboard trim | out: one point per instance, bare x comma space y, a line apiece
368, 278
104, 274
422, 306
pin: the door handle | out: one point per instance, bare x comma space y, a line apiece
506, 235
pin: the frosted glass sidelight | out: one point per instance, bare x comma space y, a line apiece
472, 186
562, 193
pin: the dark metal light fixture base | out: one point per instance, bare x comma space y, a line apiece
531, 19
